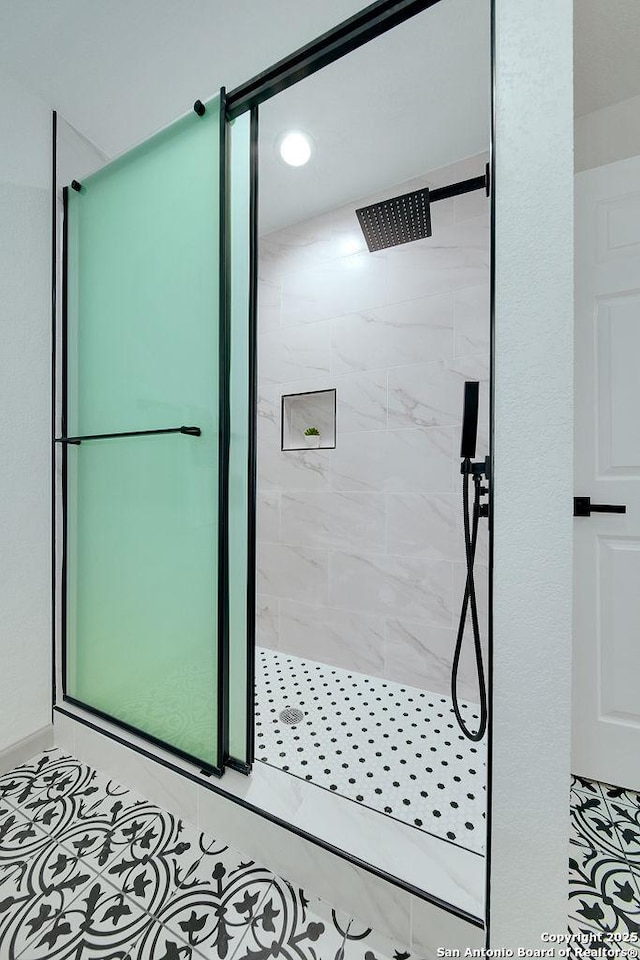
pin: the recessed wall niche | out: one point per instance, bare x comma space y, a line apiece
314, 411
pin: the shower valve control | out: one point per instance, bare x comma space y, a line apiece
480, 469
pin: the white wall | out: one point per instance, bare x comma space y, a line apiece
607, 135
25, 405
360, 548
533, 471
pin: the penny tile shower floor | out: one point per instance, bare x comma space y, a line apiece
393, 748
89, 870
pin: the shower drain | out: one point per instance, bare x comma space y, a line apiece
291, 715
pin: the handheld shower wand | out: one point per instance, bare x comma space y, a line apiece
475, 472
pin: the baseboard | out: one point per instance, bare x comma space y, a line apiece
26, 748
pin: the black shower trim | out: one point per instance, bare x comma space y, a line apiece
207, 769
63, 422
252, 452
54, 361
336, 851
491, 179
224, 419
370, 23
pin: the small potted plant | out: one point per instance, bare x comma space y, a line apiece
311, 437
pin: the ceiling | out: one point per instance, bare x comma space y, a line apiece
119, 70
413, 100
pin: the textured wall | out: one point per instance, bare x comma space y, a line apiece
533, 470
607, 135
25, 478
360, 552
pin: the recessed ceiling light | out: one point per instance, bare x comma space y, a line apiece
295, 148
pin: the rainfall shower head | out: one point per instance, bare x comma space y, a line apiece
395, 221
408, 217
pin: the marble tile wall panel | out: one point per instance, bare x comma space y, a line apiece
340, 521
395, 460
269, 305
330, 236
424, 525
292, 469
392, 586
416, 331
471, 312
457, 257
431, 394
338, 637
293, 353
294, 573
469, 206
268, 622
287, 470
360, 548
268, 515
423, 653
362, 401
334, 288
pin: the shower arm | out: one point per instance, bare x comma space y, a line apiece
463, 186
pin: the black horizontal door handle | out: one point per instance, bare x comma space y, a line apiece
582, 507
190, 431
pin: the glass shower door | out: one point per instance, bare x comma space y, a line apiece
144, 456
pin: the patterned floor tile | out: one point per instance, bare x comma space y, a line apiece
359, 939
216, 902
362, 943
286, 927
627, 822
593, 824
78, 790
602, 892
589, 787
32, 896
53, 771
97, 840
162, 855
20, 837
159, 943
628, 798
17, 785
78, 807
99, 924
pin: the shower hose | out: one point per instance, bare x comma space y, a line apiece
469, 602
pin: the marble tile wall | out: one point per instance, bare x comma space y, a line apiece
360, 549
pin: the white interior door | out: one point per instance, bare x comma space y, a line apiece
606, 699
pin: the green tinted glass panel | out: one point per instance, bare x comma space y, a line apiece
142, 515
240, 615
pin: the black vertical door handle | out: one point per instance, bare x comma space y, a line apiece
582, 507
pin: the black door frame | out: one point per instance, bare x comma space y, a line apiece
375, 20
